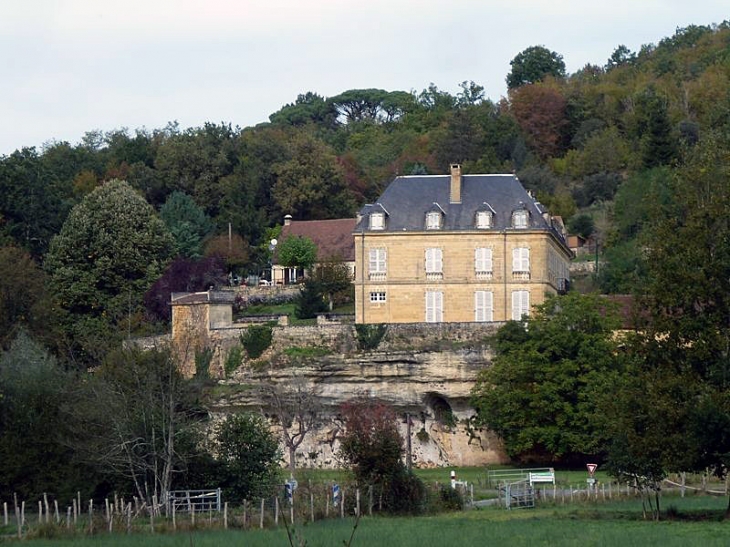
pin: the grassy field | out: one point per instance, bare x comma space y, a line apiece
607, 524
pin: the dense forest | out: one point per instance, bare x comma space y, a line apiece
94, 235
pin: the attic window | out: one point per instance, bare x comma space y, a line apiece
484, 219
519, 218
377, 221
433, 220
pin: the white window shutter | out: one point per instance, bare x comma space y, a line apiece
483, 305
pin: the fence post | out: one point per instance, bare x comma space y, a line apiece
342, 505
68, 517
225, 516
261, 521
55, 506
276, 511
91, 516
370, 500
311, 503
40, 512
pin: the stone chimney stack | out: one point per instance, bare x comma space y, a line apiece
287, 220
455, 195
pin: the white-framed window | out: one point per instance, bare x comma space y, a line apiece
377, 221
377, 297
484, 220
483, 263
521, 263
520, 218
520, 304
433, 220
434, 263
483, 306
377, 264
434, 306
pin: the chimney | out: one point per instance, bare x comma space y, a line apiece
287, 220
455, 195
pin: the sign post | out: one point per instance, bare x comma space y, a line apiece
591, 474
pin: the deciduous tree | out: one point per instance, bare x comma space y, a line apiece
540, 393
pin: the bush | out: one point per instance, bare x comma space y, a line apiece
310, 301
449, 499
256, 340
233, 360
370, 336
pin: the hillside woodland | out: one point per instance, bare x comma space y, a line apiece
627, 151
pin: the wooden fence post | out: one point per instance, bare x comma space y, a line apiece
5, 513
357, 502
225, 516
276, 511
311, 503
55, 506
91, 517
261, 520
342, 504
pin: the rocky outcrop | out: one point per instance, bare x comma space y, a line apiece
431, 389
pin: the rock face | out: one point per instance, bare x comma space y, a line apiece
424, 370
431, 389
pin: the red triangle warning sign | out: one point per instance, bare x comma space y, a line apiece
592, 467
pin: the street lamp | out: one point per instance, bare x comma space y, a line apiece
272, 247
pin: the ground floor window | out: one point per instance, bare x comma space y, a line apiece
520, 304
434, 306
483, 306
377, 296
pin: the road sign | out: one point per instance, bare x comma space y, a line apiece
592, 468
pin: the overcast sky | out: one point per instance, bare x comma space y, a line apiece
72, 66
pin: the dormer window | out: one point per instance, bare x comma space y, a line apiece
433, 220
434, 217
520, 218
377, 221
484, 220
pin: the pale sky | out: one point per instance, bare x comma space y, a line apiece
72, 66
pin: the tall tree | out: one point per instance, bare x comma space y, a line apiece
686, 340
311, 184
541, 392
187, 223
109, 252
533, 64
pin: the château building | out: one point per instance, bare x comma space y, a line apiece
456, 248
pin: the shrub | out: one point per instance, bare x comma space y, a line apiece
370, 336
202, 363
233, 360
256, 340
310, 301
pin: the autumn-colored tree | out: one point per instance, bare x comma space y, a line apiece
540, 111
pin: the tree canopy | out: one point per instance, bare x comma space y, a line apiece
110, 250
541, 393
533, 64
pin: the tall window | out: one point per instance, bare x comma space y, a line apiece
434, 306
484, 219
520, 218
520, 304
377, 221
483, 263
377, 264
483, 306
434, 264
521, 263
433, 220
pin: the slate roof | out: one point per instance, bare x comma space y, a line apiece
408, 198
332, 237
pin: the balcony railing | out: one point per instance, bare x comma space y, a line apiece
520, 276
376, 276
